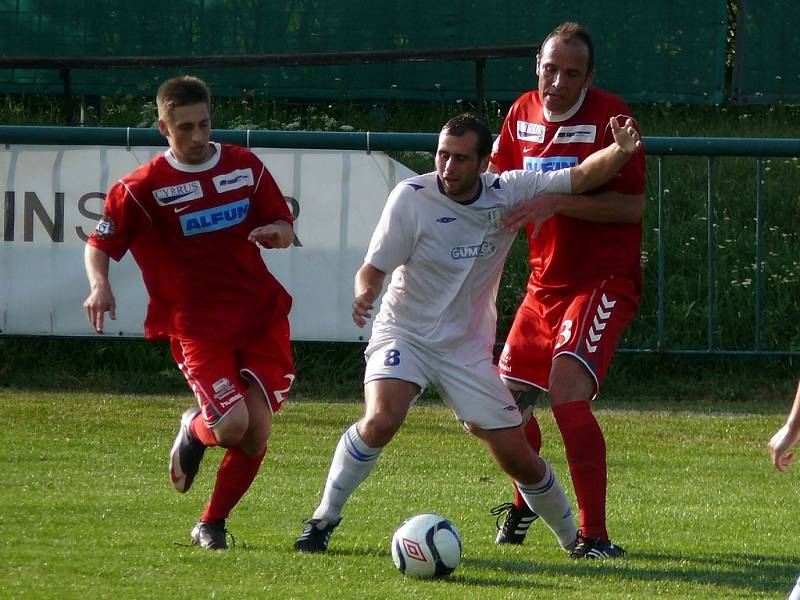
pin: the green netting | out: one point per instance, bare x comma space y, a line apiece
766, 66
664, 50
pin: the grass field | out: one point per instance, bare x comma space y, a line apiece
87, 510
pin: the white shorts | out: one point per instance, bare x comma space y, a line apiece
473, 391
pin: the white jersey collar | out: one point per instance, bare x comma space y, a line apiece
198, 168
473, 200
567, 115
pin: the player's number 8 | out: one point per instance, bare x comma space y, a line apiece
392, 358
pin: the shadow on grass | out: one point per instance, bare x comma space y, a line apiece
738, 572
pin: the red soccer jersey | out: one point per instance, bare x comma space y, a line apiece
187, 226
568, 251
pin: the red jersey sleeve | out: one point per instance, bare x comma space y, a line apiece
124, 217
269, 201
505, 151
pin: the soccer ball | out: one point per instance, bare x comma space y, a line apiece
427, 547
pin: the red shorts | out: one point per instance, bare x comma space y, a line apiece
220, 369
586, 324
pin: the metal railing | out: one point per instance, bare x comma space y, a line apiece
658, 147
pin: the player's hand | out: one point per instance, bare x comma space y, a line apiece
99, 302
361, 310
274, 235
536, 210
626, 137
779, 447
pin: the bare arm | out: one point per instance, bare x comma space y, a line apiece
606, 207
278, 234
601, 166
786, 437
368, 286
100, 298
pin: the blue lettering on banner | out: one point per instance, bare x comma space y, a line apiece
549, 163
216, 218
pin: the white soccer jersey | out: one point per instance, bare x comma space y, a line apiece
446, 259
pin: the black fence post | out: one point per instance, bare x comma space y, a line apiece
68, 110
480, 65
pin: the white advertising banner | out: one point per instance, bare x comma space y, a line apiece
53, 196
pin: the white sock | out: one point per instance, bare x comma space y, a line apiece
795, 593
548, 500
352, 462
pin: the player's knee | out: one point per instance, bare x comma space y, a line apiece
570, 380
517, 468
234, 427
570, 392
377, 430
254, 446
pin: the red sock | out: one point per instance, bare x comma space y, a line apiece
236, 472
586, 454
201, 432
534, 437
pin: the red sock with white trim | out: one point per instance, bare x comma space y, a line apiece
236, 473
585, 447
201, 431
534, 437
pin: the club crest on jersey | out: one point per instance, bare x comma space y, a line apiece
494, 217
576, 134
530, 132
481, 250
233, 180
191, 190
549, 163
216, 218
105, 227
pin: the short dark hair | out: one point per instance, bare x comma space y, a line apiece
461, 124
569, 31
182, 91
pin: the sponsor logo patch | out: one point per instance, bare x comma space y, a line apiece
233, 180
549, 163
216, 218
224, 392
579, 134
473, 251
191, 190
530, 132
